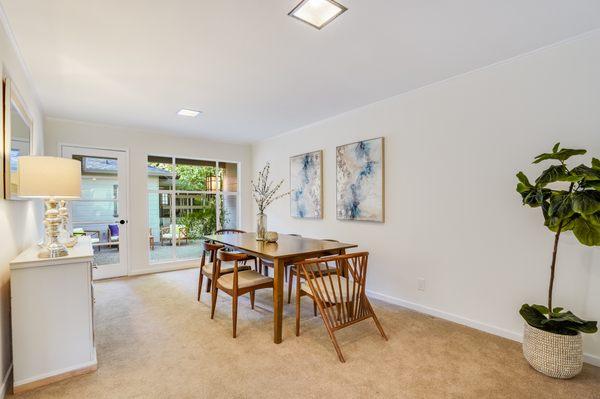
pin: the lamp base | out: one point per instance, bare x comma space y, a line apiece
53, 251
53, 248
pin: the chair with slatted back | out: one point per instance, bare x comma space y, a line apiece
269, 264
326, 269
207, 267
237, 283
340, 297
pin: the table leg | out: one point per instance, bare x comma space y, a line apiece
278, 270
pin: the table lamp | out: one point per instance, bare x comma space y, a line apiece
50, 178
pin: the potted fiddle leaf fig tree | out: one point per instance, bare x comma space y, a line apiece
569, 199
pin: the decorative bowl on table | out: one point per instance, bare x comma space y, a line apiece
271, 236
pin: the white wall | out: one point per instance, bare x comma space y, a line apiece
19, 227
452, 214
140, 144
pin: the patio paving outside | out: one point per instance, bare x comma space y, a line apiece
160, 253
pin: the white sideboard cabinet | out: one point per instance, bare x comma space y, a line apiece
52, 310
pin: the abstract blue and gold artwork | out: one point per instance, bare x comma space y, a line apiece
359, 181
306, 185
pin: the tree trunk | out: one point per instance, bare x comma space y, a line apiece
553, 266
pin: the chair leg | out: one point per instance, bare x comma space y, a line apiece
290, 287
234, 304
200, 285
213, 303
298, 313
377, 323
252, 294
208, 284
336, 346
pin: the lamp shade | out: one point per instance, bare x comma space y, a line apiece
45, 177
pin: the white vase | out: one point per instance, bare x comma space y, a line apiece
261, 226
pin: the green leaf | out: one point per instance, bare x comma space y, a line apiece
593, 184
596, 163
586, 232
561, 155
585, 171
535, 197
561, 206
540, 308
566, 316
532, 316
555, 148
586, 202
523, 179
593, 218
557, 310
552, 174
588, 327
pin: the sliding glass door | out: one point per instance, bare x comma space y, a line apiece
188, 198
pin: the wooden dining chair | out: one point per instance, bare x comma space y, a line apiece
207, 267
267, 264
326, 269
237, 283
340, 297
248, 257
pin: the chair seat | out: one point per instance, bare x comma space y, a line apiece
114, 238
225, 268
94, 240
330, 288
246, 279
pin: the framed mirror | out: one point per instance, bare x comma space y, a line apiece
17, 132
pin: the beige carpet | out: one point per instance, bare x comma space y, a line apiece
155, 341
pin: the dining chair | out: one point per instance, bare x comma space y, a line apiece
266, 263
207, 268
326, 269
340, 297
237, 231
237, 283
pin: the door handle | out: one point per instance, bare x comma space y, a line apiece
122, 221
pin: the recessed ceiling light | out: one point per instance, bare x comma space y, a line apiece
317, 13
188, 112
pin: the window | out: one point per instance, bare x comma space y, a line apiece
188, 198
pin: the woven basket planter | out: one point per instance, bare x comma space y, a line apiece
558, 356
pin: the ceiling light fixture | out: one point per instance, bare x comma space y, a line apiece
317, 13
188, 112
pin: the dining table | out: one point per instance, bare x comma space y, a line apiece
288, 249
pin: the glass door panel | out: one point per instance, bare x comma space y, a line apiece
101, 212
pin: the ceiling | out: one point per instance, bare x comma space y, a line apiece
253, 71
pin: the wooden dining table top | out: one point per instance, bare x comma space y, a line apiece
287, 246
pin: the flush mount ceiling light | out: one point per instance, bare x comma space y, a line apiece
317, 13
188, 112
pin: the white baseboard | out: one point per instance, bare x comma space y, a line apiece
66, 370
591, 359
502, 332
4, 387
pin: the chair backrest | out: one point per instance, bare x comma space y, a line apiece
113, 229
340, 296
229, 231
210, 249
